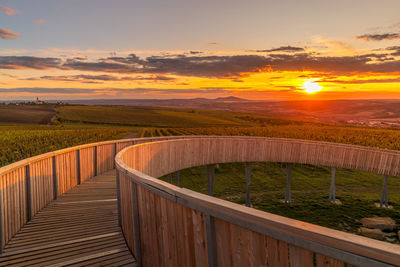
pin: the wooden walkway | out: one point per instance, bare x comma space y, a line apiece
80, 228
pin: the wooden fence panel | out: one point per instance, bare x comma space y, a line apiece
170, 234
300, 257
41, 176
278, 253
87, 163
105, 158
13, 202
325, 261
126, 211
122, 145
237, 246
66, 167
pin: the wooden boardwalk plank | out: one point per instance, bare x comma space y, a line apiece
80, 228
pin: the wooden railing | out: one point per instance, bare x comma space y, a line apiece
165, 225
29, 185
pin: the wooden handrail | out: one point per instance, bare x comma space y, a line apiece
186, 227
29, 185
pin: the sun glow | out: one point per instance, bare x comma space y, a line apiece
311, 87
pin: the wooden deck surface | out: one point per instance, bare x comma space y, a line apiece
80, 228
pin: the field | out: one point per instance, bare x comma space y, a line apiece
22, 141
35, 114
358, 191
164, 117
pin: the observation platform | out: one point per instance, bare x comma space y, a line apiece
102, 204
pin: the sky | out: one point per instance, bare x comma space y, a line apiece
266, 50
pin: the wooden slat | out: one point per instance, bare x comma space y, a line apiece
324, 261
299, 257
277, 253
41, 184
105, 158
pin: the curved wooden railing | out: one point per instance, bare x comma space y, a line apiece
29, 185
167, 225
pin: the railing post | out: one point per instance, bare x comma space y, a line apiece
78, 166
177, 178
115, 154
170, 178
136, 224
28, 192
288, 196
332, 196
210, 179
118, 198
55, 180
211, 242
384, 197
248, 180
95, 161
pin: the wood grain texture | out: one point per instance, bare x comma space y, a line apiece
41, 184
105, 157
299, 257
13, 193
126, 211
324, 261
87, 163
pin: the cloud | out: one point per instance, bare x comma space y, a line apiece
360, 81
39, 21
28, 62
114, 91
200, 66
214, 66
8, 34
396, 50
47, 90
8, 11
283, 49
379, 37
88, 78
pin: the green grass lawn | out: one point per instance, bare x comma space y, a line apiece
358, 191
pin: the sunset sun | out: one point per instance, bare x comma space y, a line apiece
311, 87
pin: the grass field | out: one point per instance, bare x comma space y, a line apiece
164, 117
358, 191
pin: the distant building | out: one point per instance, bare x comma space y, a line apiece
38, 101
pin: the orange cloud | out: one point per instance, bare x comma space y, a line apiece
8, 34
8, 11
39, 21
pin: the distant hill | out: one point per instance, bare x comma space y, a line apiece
231, 99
